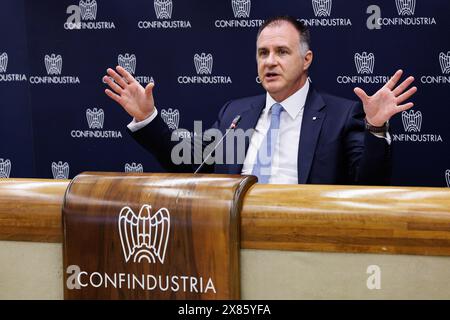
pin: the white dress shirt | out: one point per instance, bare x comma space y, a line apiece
284, 162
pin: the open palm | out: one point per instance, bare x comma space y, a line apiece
387, 101
129, 93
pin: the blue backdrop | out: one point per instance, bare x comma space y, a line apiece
53, 55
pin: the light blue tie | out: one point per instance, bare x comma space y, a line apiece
263, 165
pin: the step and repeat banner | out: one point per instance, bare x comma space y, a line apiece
56, 120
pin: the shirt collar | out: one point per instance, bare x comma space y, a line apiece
293, 104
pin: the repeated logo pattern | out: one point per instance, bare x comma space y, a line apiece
5, 168
364, 63
203, 63
412, 121
322, 8
3, 62
60, 170
406, 7
88, 9
163, 9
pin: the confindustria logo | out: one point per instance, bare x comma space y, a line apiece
163, 12
406, 7
241, 12
134, 167
84, 15
203, 63
406, 10
128, 62
365, 64
447, 177
171, 118
3, 62
53, 66
412, 121
5, 168
95, 118
412, 124
444, 61
322, 8
203, 66
60, 170
163, 9
322, 11
8, 77
241, 8
144, 236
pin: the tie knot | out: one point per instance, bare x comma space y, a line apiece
276, 109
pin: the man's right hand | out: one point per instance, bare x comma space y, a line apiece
130, 94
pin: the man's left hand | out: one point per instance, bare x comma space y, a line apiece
387, 101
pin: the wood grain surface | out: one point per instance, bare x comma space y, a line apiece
30, 209
394, 220
398, 220
202, 232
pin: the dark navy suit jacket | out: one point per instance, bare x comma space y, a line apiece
334, 147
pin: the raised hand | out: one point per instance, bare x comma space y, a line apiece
387, 101
130, 94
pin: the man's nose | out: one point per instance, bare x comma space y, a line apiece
271, 59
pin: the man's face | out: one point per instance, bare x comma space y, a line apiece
281, 67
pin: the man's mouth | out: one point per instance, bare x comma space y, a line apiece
271, 76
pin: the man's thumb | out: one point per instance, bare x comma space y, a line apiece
149, 89
361, 94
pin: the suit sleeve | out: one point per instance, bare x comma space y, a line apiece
369, 157
161, 141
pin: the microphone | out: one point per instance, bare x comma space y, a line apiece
233, 125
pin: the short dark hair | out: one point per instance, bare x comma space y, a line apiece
303, 31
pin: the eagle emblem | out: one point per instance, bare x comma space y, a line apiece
364, 62
95, 118
5, 168
53, 64
203, 63
412, 121
144, 236
3, 62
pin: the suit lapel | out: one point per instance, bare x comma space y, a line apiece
249, 118
313, 118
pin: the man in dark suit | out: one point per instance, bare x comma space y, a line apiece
298, 135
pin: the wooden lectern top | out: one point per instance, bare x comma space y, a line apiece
158, 236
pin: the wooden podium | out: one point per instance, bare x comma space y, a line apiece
159, 236
164, 236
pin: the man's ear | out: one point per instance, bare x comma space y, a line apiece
307, 60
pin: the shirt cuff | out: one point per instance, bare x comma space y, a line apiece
136, 125
385, 136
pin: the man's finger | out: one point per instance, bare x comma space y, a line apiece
402, 87
393, 81
117, 89
361, 94
124, 73
113, 96
404, 107
117, 79
405, 96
